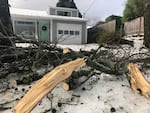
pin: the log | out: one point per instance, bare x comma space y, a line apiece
77, 79
46, 84
138, 81
108, 66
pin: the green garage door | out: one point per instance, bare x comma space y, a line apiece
44, 30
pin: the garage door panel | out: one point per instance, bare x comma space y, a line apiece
69, 33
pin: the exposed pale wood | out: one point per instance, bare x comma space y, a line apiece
65, 86
138, 81
66, 50
46, 84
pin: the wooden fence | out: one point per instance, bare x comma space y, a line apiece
109, 26
134, 27
131, 28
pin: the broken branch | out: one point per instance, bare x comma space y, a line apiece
138, 81
46, 84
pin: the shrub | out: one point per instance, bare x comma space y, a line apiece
108, 37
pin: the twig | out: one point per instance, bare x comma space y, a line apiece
4, 108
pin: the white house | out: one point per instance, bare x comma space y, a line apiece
57, 25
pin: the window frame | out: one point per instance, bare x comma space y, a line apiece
63, 11
60, 32
66, 32
22, 22
71, 32
77, 33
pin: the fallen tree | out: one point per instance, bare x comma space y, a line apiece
46, 84
23, 62
42, 87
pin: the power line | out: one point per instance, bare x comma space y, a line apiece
92, 3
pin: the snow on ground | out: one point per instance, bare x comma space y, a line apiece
102, 93
98, 95
86, 47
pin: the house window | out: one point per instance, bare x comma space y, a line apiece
67, 13
60, 32
63, 13
60, 13
71, 32
77, 33
66, 32
25, 28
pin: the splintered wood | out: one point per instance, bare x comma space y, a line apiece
42, 87
138, 81
66, 50
65, 86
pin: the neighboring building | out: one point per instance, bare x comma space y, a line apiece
57, 25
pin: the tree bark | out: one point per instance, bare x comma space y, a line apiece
147, 23
5, 19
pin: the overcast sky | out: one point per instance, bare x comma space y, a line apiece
94, 9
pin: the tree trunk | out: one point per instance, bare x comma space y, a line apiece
147, 23
5, 19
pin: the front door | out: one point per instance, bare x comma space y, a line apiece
44, 30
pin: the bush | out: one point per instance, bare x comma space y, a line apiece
109, 38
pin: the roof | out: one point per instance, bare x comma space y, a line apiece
34, 14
